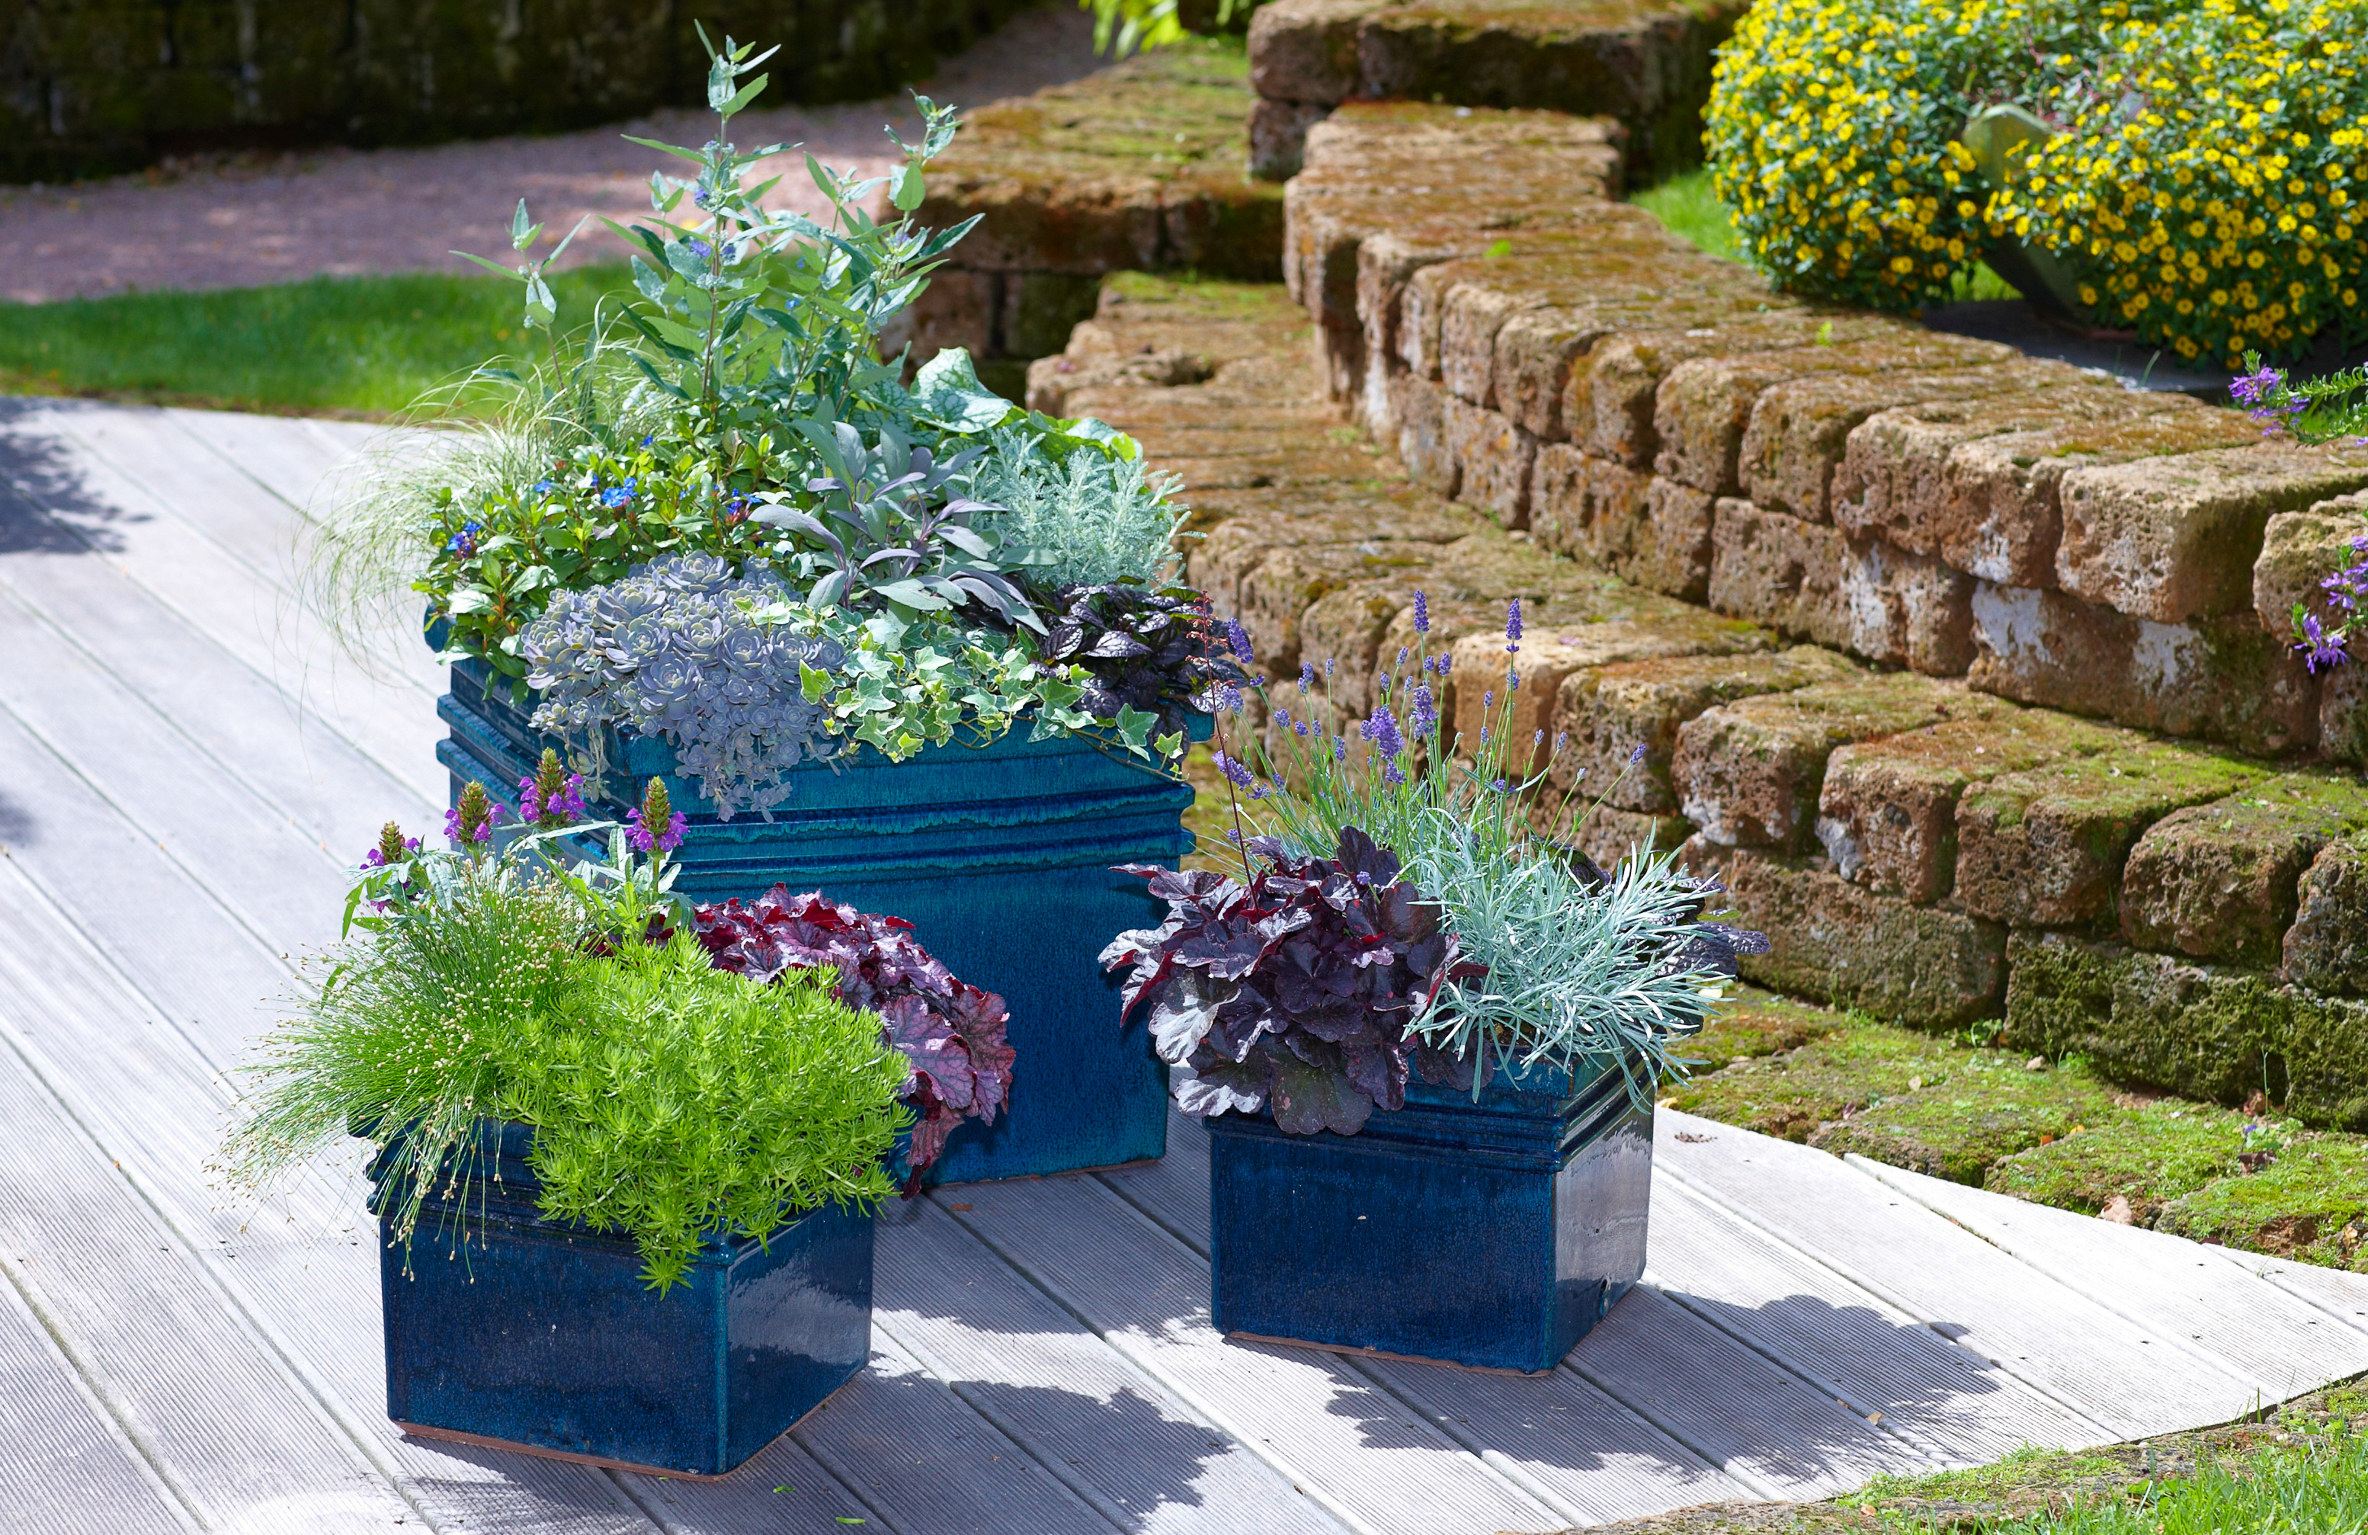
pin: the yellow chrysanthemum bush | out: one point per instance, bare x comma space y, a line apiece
2209, 174
1830, 130
2204, 177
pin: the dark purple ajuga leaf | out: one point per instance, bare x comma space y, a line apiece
951, 1034
1292, 993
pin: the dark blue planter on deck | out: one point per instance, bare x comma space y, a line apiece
1493, 1233
540, 1335
999, 856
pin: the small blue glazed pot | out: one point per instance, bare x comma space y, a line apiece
511, 1330
1000, 856
1491, 1233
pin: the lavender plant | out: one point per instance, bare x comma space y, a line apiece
1570, 968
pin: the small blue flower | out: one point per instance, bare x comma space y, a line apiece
543, 487
464, 542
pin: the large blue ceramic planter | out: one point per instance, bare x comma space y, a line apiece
1491, 1233
513, 1330
999, 856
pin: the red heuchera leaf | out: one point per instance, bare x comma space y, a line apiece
949, 1032
1293, 993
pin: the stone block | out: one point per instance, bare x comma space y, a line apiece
1474, 313
956, 309
1280, 588
1608, 406
1609, 713
1492, 459
1906, 609
1550, 657
1534, 352
2221, 881
1278, 135
1799, 431
1341, 635
1779, 571
2045, 848
2217, 679
1749, 773
1844, 944
2176, 537
2343, 714
1705, 405
1306, 50
1976, 481
1423, 443
2200, 1030
1887, 814
1669, 549
1609, 836
1586, 507
2299, 550
2326, 948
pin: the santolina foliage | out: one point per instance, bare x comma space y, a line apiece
2202, 178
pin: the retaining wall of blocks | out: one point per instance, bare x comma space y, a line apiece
1132, 168
1645, 63
1964, 672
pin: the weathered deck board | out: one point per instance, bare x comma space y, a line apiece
1362, 1453
2033, 1327
1097, 1422
183, 768
1874, 1358
2175, 1289
64, 1465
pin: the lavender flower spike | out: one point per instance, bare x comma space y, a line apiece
1422, 613
1234, 770
1239, 638
1382, 731
1513, 625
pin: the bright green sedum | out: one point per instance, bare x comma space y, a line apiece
671, 1101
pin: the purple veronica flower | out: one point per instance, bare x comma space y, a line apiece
1422, 614
1239, 639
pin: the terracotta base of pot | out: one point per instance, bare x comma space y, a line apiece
511, 1446
1376, 1353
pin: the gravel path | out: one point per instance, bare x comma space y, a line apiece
276, 219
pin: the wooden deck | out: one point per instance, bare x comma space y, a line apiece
184, 769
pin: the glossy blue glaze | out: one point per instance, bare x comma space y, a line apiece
1491, 1233
513, 1327
999, 856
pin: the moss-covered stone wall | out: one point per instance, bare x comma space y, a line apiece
93, 86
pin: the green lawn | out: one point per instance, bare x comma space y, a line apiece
1687, 205
330, 345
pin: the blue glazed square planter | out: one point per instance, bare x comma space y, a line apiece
1491, 1233
530, 1334
999, 856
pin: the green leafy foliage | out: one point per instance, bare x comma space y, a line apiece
676, 1101
670, 1100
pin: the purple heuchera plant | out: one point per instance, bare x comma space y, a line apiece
1292, 993
950, 1033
